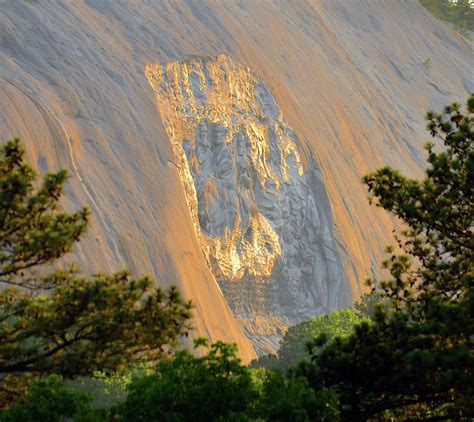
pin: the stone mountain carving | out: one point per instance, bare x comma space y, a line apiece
263, 221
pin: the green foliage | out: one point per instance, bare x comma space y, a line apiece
212, 387
459, 13
217, 387
289, 399
32, 232
50, 400
368, 303
109, 388
61, 322
293, 347
416, 359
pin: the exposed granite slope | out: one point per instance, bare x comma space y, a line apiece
348, 77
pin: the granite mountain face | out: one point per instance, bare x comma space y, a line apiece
220, 145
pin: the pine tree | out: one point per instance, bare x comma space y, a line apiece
62, 322
416, 358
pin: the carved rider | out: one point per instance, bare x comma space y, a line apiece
202, 146
224, 173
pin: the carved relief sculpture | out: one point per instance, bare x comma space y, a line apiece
263, 224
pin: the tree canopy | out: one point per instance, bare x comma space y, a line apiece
51, 400
217, 387
294, 344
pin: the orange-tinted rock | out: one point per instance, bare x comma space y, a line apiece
348, 77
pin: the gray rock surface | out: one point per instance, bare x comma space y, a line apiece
348, 77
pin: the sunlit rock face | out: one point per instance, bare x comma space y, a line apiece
263, 221
348, 76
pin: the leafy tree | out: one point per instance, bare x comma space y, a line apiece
288, 398
109, 388
61, 322
187, 388
293, 347
50, 400
216, 386
416, 360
